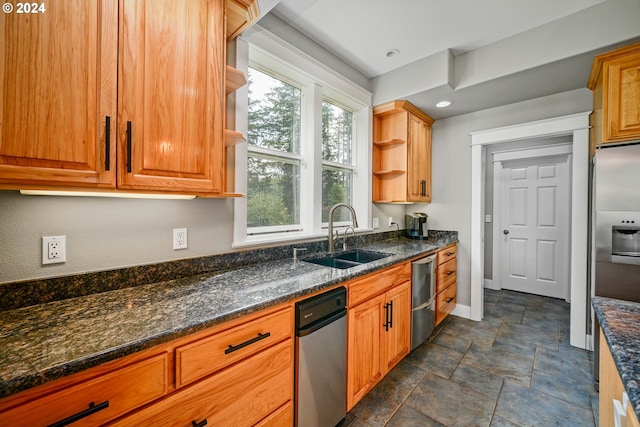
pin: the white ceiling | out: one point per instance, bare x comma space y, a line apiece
361, 31
478, 54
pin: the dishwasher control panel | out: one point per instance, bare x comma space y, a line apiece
320, 307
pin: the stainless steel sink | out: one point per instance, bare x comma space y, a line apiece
348, 259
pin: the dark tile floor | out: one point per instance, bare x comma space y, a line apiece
514, 368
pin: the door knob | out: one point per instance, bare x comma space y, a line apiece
505, 231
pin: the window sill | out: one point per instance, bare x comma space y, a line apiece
292, 238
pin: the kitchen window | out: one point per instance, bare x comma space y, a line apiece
308, 147
337, 160
273, 159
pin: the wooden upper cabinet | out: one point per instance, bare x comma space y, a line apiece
419, 151
55, 99
171, 95
615, 80
137, 102
401, 153
240, 14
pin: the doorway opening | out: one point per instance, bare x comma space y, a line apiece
575, 128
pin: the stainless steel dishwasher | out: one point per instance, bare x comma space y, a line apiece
321, 350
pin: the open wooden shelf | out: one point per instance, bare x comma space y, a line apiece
235, 79
389, 142
231, 137
390, 172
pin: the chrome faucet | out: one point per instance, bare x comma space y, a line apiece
344, 236
331, 212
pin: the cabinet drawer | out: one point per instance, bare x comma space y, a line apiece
124, 389
447, 254
445, 303
241, 395
362, 289
208, 355
446, 274
282, 417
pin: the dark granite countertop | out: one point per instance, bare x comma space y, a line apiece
47, 341
620, 323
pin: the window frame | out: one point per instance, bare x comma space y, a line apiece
290, 157
318, 84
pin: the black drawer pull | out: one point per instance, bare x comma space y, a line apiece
386, 317
260, 337
391, 314
129, 146
449, 273
448, 300
200, 424
450, 253
107, 143
92, 409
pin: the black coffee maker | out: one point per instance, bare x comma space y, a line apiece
415, 225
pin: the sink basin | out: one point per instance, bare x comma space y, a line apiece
348, 259
361, 256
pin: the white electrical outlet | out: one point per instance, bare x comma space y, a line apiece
376, 222
54, 249
391, 221
179, 238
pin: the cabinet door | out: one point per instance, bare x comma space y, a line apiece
171, 95
419, 161
364, 367
57, 86
397, 336
622, 101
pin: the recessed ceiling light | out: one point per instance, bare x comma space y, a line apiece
391, 52
443, 104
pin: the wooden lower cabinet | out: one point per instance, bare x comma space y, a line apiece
397, 339
102, 398
446, 290
239, 373
241, 395
611, 388
379, 336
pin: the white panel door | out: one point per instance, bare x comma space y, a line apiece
534, 219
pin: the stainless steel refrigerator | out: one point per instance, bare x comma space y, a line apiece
616, 232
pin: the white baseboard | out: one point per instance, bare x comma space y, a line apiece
488, 284
462, 311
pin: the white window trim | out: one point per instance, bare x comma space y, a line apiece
326, 84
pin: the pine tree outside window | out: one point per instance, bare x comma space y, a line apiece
273, 169
337, 160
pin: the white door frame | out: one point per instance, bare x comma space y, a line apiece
561, 149
576, 125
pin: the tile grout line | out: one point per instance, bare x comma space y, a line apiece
407, 397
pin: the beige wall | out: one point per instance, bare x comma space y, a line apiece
107, 233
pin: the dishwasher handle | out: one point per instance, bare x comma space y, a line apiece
321, 323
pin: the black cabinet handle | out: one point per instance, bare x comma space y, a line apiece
450, 253
386, 317
423, 186
129, 146
391, 314
92, 409
260, 337
448, 300
200, 424
449, 273
107, 143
